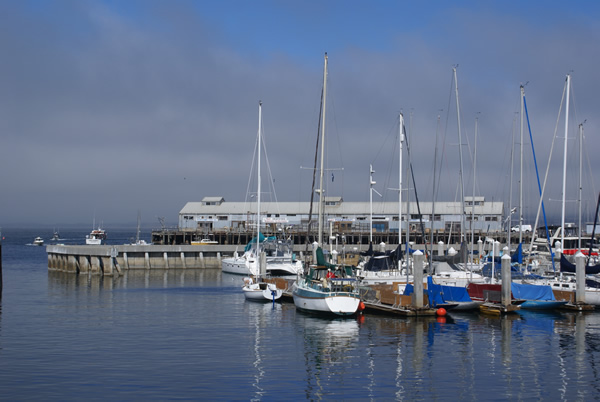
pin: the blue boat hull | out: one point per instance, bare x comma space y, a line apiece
542, 304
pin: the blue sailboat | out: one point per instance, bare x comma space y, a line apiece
537, 297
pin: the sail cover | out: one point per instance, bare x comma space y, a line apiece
532, 292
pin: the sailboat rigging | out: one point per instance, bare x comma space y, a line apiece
320, 289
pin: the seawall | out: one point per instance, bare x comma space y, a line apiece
114, 259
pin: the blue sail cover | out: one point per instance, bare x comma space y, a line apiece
532, 292
440, 294
518, 255
252, 244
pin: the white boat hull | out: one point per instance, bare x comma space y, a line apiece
264, 292
318, 301
240, 266
247, 265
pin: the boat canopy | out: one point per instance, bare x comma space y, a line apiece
532, 292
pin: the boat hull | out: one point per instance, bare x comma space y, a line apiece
239, 266
315, 301
543, 304
262, 292
466, 306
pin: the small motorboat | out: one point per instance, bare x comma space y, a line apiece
260, 291
38, 241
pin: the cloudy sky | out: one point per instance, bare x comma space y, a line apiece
110, 107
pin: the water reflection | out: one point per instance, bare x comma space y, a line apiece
466, 356
130, 279
328, 344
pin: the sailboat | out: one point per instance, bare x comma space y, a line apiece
386, 267
280, 259
248, 263
261, 291
565, 286
320, 290
138, 241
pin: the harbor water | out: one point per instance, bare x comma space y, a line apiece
191, 335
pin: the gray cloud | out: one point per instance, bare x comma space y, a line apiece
106, 112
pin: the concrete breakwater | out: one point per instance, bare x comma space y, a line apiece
114, 259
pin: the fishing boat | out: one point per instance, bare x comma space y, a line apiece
55, 236
319, 290
260, 291
38, 241
96, 237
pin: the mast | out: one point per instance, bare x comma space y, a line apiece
564, 184
258, 186
521, 173
510, 192
473, 200
401, 139
462, 188
321, 198
371, 189
434, 191
580, 170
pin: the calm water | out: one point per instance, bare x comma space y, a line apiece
191, 335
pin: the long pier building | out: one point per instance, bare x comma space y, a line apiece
235, 222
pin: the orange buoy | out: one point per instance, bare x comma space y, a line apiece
361, 306
441, 312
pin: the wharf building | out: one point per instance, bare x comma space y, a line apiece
225, 222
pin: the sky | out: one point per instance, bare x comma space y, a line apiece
108, 108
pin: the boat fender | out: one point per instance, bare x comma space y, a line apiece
441, 312
361, 306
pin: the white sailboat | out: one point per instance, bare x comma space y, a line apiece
386, 268
248, 263
280, 259
261, 291
317, 291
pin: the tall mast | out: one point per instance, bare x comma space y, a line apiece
521, 173
580, 170
321, 198
510, 192
434, 190
401, 139
473, 200
371, 184
258, 184
564, 184
462, 188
